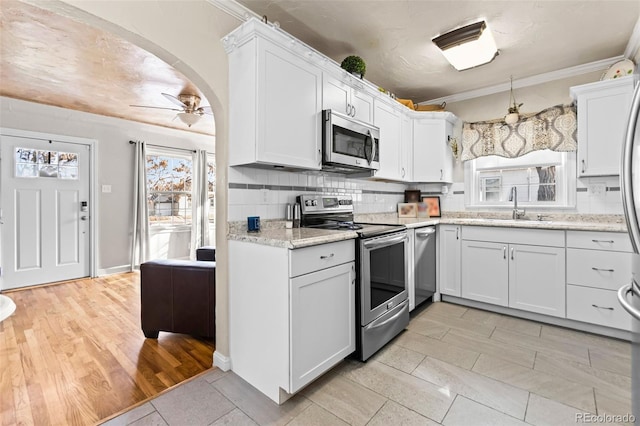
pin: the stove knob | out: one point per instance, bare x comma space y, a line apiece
315, 202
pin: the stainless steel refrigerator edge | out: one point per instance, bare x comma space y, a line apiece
629, 294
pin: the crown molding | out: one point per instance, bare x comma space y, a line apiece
529, 81
234, 9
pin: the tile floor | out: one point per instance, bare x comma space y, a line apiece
452, 366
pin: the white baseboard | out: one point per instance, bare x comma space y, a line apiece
223, 362
114, 270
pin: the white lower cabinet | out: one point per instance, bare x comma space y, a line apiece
322, 321
449, 249
485, 272
596, 306
496, 269
536, 279
291, 313
598, 264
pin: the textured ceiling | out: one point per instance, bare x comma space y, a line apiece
394, 37
53, 60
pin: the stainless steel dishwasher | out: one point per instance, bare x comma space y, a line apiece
425, 263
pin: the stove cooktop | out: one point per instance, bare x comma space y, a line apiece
363, 229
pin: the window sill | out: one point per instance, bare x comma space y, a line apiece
162, 228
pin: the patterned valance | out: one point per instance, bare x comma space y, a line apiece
553, 128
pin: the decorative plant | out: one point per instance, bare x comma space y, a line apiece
354, 64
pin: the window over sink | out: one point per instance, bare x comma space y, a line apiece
543, 179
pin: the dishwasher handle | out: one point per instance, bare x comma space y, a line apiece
425, 233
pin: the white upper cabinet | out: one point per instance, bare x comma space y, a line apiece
275, 103
432, 156
406, 149
603, 110
389, 120
345, 98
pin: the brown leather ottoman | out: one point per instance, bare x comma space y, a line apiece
178, 296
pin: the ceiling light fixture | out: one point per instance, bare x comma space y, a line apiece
469, 46
189, 118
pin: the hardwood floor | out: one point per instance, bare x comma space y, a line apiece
73, 353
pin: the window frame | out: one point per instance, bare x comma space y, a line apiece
171, 153
566, 179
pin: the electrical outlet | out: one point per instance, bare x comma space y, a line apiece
597, 188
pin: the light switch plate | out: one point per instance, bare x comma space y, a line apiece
106, 189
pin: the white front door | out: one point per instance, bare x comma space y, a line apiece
45, 211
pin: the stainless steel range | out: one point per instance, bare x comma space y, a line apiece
382, 309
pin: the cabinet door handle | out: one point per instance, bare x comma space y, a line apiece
353, 111
349, 109
512, 252
603, 241
441, 174
601, 269
403, 172
327, 257
602, 307
504, 252
457, 233
583, 165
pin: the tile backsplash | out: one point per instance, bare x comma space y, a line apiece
265, 193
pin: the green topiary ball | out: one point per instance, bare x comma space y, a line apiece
354, 64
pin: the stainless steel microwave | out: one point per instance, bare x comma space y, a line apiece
349, 145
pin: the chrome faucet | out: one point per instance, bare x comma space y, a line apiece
517, 214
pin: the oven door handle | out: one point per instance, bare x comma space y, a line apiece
379, 323
385, 242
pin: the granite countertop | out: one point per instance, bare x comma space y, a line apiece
273, 232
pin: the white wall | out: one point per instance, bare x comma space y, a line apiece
114, 163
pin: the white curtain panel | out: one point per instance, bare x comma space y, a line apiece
140, 243
200, 203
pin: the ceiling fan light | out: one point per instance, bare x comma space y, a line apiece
188, 118
468, 47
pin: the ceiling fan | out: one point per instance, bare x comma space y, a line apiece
189, 113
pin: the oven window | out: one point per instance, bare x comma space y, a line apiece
387, 274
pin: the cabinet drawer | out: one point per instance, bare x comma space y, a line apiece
614, 241
580, 307
309, 259
534, 237
598, 268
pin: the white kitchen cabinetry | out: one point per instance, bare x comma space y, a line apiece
603, 109
449, 249
343, 97
406, 149
518, 268
432, 156
275, 102
536, 279
291, 313
485, 272
389, 120
598, 263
